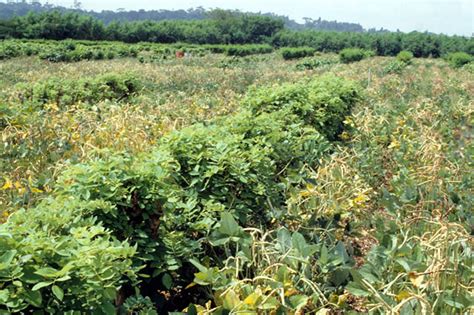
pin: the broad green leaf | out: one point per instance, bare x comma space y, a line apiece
47, 272
58, 292
34, 297
228, 225
167, 281
298, 302
356, 290
4, 294
41, 285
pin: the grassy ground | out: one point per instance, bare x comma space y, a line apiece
400, 180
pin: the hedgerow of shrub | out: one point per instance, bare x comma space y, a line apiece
246, 50
459, 59
349, 55
164, 203
405, 56
313, 63
296, 53
88, 90
394, 66
322, 104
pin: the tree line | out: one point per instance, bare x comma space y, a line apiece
226, 27
21, 8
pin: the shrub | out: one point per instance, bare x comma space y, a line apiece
168, 201
296, 53
322, 103
349, 55
313, 63
459, 59
89, 90
246, 50
394, 66
405, 56
58, 258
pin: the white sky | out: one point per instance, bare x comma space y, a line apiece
439, 16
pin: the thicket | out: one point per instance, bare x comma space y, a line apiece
296, 53
224, 27
459, 59
172, 217
349, 55
64, 92
314, 63
383, 44
405, 56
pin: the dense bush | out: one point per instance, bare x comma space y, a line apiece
349, 55
295, 53
394, 66
169, 201
459, 59
89, 90
57, 258
383, 44
321, 103
246, 50
405, 56
314, 63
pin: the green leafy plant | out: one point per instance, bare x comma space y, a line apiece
296, 53
405, 56
349, 55
69, 92
459, 59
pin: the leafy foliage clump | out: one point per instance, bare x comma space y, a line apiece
349, 55
57, 257
62, 92
168, 201
394, 66
459, 59
322, 103
247, 50
314, 63
296, 53
405, 56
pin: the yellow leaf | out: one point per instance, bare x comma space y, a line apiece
36, 190
8, 184
252, 299
231, 300
324, 311
342, 299
416, 280
291, 291
403, 295
18, 185
192, 284
305, 193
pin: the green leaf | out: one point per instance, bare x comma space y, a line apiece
108, 308
167, 281
41, 285
228, 225
58, 292
323, 258
47, 272
4, 294
198, 265
7, 258
297, 302
452, 303
34, 298
356, 290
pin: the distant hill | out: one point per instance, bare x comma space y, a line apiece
20, 8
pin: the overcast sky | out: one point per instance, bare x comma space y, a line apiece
439, 16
